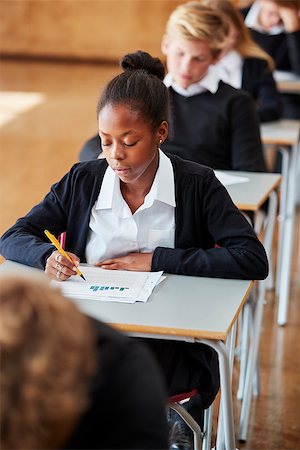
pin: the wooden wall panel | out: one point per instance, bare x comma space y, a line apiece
82, 29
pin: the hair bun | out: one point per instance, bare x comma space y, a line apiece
143, 61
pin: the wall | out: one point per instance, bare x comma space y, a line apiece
82, 29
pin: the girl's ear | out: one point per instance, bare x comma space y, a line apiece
165, 44
162, 132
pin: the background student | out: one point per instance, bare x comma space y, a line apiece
245, 65
82, 386
275, 26
211, 122
139, 209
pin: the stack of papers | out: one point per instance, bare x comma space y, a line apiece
110, 285
227, 179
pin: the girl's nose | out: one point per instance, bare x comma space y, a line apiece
117, 151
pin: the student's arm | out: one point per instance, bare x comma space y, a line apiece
246, 146
265, 92
25, 242
215, 221
293, 43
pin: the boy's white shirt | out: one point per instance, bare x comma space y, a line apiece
230, 69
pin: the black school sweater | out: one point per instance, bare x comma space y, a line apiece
218, 130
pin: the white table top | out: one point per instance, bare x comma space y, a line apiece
251, 195
191, 307
287, 82
281, 132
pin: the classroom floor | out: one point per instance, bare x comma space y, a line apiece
41, 134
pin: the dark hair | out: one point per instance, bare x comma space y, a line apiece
141, 87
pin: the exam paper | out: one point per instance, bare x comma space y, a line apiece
227, 179
110, 285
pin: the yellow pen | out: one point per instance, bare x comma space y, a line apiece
56, 244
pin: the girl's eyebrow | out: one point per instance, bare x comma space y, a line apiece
122, 135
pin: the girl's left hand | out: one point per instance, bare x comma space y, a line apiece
140, 262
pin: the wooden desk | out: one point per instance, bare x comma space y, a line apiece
285, 135
191, 309
287, 83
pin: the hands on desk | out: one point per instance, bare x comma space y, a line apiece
59, 267
140, 262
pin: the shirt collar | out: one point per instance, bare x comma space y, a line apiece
251, 21
110, 189
210, 82
230, 68
232, 61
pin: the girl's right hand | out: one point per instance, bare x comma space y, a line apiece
59, 267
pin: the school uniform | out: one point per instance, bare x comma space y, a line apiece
211, 238
211, 123
254, 76
214, 124
283, 47
127, 398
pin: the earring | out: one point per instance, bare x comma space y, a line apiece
160, 141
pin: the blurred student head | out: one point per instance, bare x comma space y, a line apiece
47, 360
239, 37
194, 38
274, 13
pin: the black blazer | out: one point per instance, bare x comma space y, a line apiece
257, 79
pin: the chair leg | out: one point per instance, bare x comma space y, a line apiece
190, 422
207, 428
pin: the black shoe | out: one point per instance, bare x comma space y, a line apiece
180, 436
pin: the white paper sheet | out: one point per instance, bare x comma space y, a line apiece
227, 179
110, 285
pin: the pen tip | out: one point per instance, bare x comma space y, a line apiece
83, 277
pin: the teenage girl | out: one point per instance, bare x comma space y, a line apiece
139, 209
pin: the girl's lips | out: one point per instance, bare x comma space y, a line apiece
121, 169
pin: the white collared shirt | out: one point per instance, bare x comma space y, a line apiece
210, 82
252, 21
115, 231
230, 69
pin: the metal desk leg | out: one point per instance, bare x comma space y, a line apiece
244, 347
245, 412
269, 234
226, 393
285, 272
282, 211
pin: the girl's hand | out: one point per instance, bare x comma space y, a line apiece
140, 262
59, 267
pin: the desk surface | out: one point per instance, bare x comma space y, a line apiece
287, 82
251, 195
281, 132
191, 307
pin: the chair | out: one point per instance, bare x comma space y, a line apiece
174, 404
